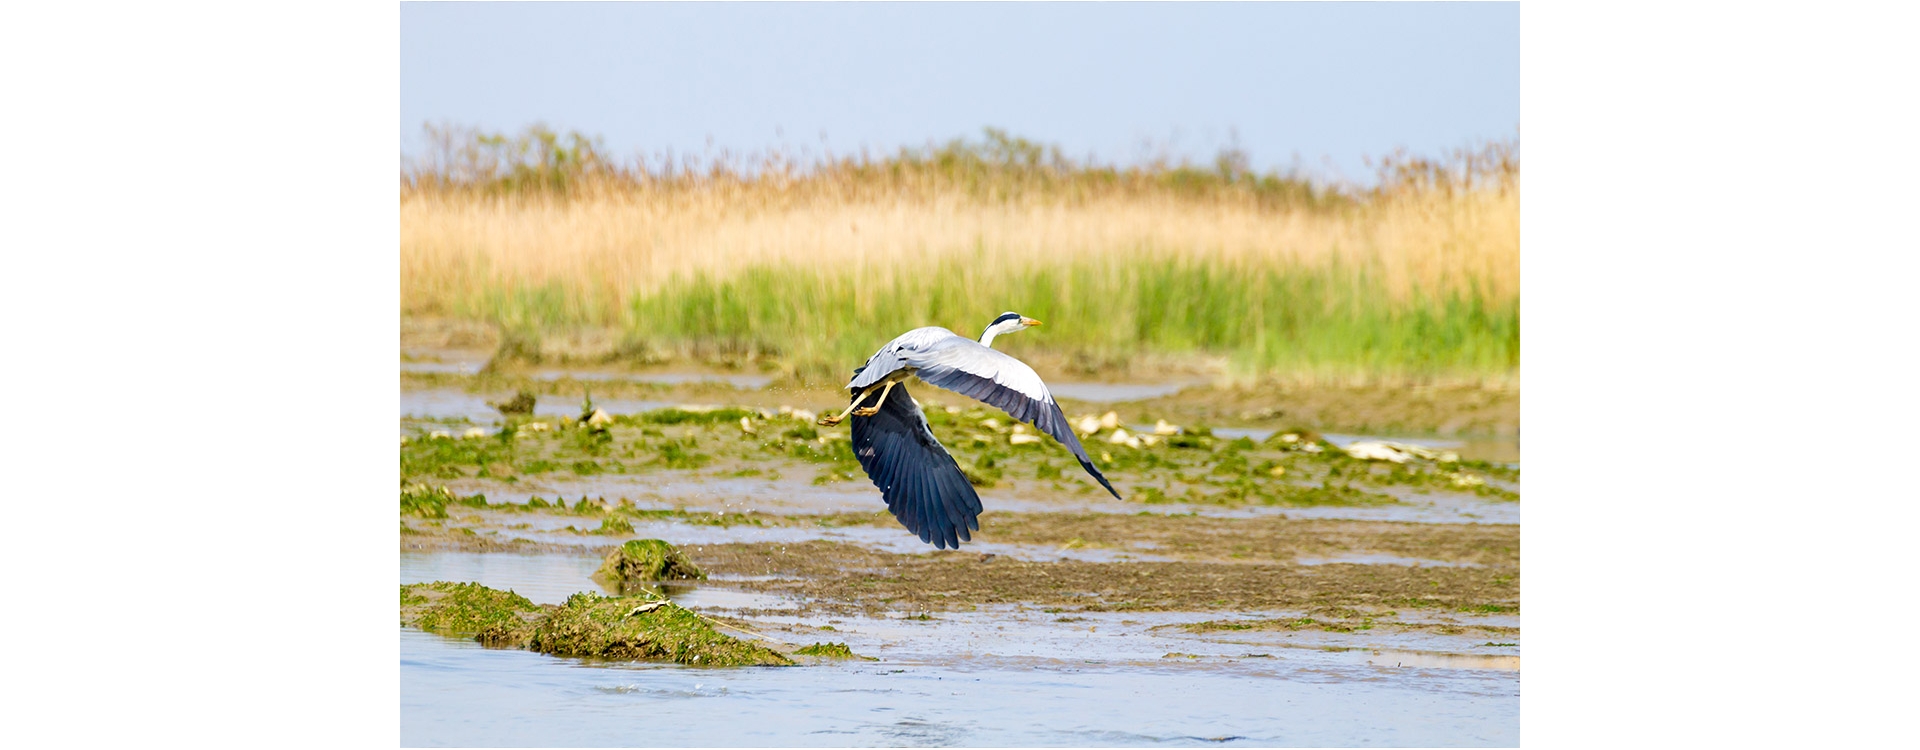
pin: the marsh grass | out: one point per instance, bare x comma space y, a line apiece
759, 259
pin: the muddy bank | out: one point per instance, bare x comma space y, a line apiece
566, 390
432, 332
1219, 566
1177, 537
1344, 620
839, 577
1204, 539
1440, 409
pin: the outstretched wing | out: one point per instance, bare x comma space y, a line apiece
922, 485
966, 367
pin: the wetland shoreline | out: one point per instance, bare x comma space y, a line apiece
1374, 580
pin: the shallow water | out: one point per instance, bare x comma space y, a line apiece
551, 578
998, 677
795, 494
455, 693
1114, 393
452, 403
455, 361
471, 361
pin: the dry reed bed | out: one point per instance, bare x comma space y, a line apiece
617, 246
1416, 278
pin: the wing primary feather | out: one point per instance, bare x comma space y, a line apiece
921, 483
925, 504
1043, 415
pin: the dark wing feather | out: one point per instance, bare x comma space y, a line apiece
922, 484
1043, 415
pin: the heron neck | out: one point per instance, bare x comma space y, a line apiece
986, 339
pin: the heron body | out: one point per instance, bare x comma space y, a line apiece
922, 484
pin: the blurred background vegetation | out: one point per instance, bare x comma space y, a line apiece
805, 266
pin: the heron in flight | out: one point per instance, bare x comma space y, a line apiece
922, 485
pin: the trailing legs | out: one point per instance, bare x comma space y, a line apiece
869, 411
834, 419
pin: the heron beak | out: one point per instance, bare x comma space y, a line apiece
1029, 322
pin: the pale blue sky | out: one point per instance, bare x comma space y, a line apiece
1330, 82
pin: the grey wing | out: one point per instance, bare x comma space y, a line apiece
920, 481
883, 363
996, 378
893, 356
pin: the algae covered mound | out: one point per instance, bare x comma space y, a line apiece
642, 628
636, 627
643, 561
831, 651
494, 617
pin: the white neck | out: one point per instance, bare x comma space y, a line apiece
986, 339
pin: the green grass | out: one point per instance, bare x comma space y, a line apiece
1325, 320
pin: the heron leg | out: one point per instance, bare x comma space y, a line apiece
868, 411
834, 419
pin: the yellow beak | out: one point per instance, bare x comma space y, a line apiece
1029, 322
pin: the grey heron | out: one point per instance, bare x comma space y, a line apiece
923, 486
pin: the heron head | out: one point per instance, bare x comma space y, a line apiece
1008, 322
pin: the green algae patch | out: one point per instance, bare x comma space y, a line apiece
638, 627
427, 501
677, 415
643, 561
831, 651
422, 501
492, 616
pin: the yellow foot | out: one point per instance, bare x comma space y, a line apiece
866, 411
831, 420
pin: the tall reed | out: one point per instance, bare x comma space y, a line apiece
815, 264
